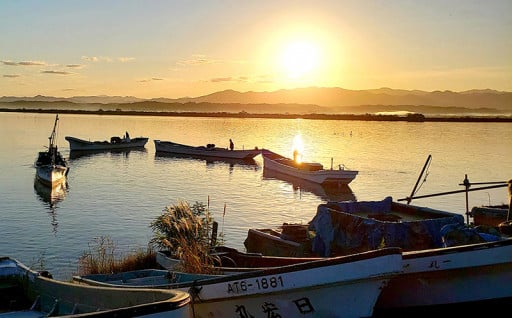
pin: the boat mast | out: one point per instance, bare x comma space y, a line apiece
52, 148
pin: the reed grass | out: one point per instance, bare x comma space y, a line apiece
101, 258
188, 232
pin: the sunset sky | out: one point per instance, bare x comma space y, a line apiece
192, 48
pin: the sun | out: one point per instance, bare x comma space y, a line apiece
299, 58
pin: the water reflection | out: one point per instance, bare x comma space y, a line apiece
327, 193
209, 160
77, 154
51, 196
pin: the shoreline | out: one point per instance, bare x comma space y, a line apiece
362, 117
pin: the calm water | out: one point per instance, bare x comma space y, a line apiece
119, 194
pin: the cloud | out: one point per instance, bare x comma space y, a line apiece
97, 58
74, 66
24, 63
230, 79
11, 75
90, 58
153, 79
126, 59
196, 60
57, 72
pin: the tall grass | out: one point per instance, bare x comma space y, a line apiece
101, 258
187, 232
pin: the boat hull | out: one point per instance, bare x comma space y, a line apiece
345, 286
76, 144
28, 292
320, 176
451, 276
51, 175
214, 152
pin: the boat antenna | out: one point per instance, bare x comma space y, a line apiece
415, 189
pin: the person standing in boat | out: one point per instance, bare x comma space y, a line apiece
127, 137
231, 145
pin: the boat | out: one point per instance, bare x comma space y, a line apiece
446, 263
352, 226
28, 293
229, 261
489, 215
462, 278
345, 286
51, 167
310, 171
210, 150
289, 240
115, 143
494, 215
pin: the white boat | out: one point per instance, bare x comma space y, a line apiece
28, 293
346, 286
465, 277
115, 143
51, 167
432, 279
446, 264
209, 150
310, 171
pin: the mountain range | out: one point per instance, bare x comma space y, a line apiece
300, 100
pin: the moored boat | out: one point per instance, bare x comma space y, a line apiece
489, 215
445, 261
28, 293
209, 150
289, 240
51, 167
115, 143
310, 171
346, 286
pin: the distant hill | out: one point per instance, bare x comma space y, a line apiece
302, 100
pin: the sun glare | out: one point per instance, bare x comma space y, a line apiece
298, 148
299, 58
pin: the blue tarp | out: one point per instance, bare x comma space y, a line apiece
339, 231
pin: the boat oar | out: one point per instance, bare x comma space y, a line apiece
506, 227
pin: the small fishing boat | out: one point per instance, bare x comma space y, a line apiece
209, 150
310, 171
115, 143
51, 167
28, 293
445, 261
289, 240
346, 286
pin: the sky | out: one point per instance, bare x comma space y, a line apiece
173, 49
